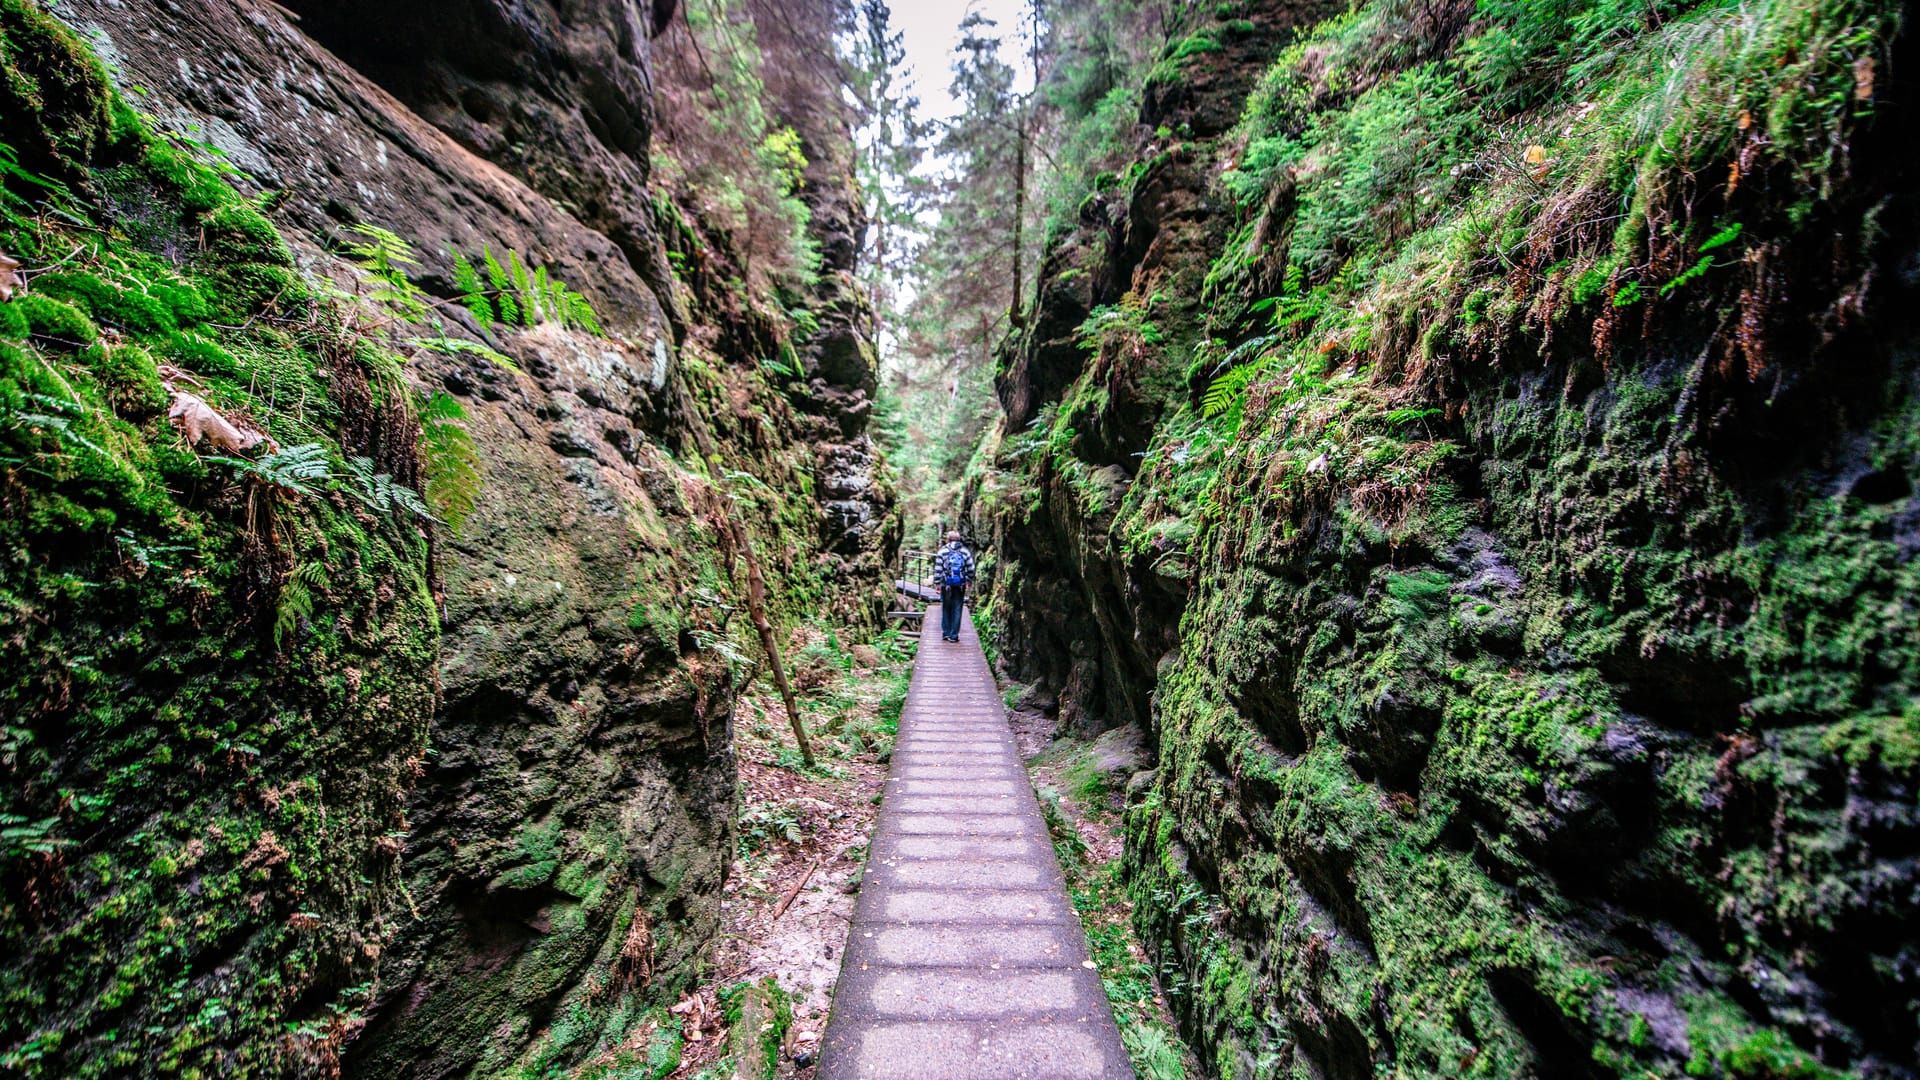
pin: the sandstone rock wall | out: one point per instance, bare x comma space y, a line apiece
571, 830
1562, 729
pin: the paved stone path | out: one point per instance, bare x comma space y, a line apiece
965, 962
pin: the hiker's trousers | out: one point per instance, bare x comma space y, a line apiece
952, 597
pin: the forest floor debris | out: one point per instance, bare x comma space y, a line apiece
1082, 786
802, 846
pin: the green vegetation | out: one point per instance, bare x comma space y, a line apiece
222, 634
1076, 790
1467, 452
722, 145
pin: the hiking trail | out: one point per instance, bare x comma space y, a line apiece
965, 958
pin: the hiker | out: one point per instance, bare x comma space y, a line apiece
953, 572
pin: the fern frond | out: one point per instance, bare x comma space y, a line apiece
381, 493
441, 406
472, 293
407, 499
1227, 391
293, 470
59, 420
540, 298
452, 346
452, 460
522, 287
581, 314
502, 283
382, 246
296, 599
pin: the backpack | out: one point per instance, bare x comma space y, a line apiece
954, 568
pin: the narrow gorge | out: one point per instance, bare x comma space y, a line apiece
1441, 474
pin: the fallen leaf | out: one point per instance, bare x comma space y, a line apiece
1744, 120
198, 420
1863, 79
1536, 154
10, 278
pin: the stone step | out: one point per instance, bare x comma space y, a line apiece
965, 958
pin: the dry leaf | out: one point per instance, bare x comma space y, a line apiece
1863, 79
1536, 154
10, 278
1318, 464
1744, 120
197, 420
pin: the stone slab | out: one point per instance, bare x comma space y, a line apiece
944, 1050
965, 959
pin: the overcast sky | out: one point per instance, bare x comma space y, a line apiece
931, 29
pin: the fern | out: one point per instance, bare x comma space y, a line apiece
296, 599
541, 290
59, 420
452, 460
502, 285
467, 280
722, 647
786, 365
452, 346
1688, 275
20, 836
384, 258
1722, 238
381, 493
523, 288
294, 470
1226, 392
517, 294
580, 313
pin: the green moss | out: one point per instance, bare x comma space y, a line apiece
1481, 621
46, 316
215, 805
122, 307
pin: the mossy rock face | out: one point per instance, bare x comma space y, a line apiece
290, 869
568, 833
205, 765
1525, 656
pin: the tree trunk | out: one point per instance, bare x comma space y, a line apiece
1014, 315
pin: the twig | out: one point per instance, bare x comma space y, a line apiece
795, 891
30, 274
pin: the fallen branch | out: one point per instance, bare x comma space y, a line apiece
756, 582
795, 891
